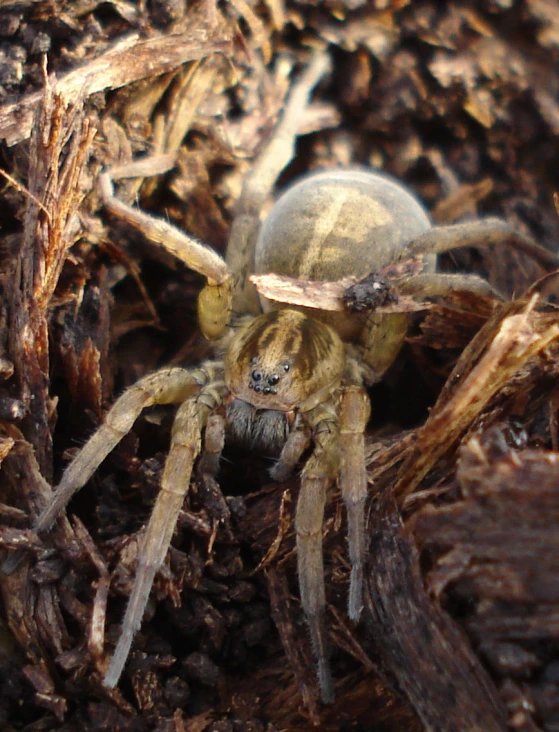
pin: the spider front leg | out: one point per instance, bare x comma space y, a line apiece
319, 471
168, 386
208, 466
201, 392
189, 422
295, 446
215, 299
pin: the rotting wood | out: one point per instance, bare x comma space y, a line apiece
422, 648
131, 59
444, 98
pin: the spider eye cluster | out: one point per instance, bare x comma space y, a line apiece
262, 382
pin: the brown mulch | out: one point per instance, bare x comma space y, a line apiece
461, 629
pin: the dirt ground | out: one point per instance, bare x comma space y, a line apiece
461, 626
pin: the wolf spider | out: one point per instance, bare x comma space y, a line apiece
289, 377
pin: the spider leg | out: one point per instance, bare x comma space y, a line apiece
294, 447
208, 465
478, 234
189, 422
259, 183
162, 387
317, 474
431, 284
380, 342
214, 441
355, 410
214, 301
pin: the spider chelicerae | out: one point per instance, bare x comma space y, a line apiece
285, 379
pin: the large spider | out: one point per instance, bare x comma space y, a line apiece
289, 377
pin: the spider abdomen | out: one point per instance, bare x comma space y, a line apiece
339, 223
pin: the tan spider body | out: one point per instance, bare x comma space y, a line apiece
288, 378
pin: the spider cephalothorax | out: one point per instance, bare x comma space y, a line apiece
278, 366
284, 359
288, 379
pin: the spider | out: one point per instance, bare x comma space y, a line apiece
284, 378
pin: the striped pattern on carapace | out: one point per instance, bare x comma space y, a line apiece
283, 359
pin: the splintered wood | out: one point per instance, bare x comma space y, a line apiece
518, 339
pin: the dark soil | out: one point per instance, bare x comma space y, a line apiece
461, 627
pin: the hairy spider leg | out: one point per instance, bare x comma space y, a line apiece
260, 182
355, 410
215, 299
167, 386
186, 441
319, 472
481, 233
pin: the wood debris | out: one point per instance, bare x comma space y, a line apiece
175, 99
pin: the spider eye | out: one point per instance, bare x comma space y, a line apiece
274, 378
286, 367
256, 375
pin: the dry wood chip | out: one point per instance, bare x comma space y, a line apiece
518, 339
131, 59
